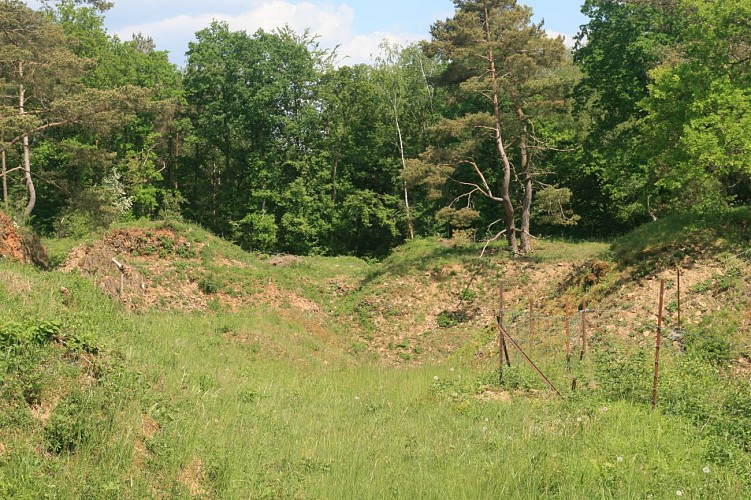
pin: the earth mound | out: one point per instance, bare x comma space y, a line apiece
20, 246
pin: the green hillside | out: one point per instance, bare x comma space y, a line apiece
281, 376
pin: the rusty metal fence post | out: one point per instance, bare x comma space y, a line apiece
583, 331
679, 298
658, 341
502, 349
568, 335
531, 324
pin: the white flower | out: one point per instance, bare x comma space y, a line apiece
357, 398
619, 459
678, 493
435, 378
706, 469
484, 429
451, 369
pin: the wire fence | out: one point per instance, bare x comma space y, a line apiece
556, 343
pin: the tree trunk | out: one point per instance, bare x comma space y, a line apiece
508, 207
29, 180
526, 167
410, 224
26, 152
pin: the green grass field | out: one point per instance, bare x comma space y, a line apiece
99, 402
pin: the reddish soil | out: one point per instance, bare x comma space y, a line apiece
11, 243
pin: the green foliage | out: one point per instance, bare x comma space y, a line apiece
624, 374
552, 207
368, 223
171, 206
209, 284
711, 340
70, 425
671, 239
256, 231
33, 332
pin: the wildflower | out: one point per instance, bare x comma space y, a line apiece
357, 398
435, 378
484, 429
451, 369
706, 469
678, 493
619, 459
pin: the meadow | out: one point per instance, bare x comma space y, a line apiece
260, 401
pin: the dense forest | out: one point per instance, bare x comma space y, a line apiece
489, 130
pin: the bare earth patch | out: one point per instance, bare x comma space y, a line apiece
193, 477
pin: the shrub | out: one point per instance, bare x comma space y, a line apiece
256, 231
710, 341
69, 426
209, 284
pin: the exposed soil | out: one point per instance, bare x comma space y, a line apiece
193, 476
417, 317
22, 247
147, 430
11, 244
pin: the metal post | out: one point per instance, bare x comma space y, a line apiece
531, 324
679, 298
529, 361
501, 339
583, 330
568, 336
501, 316
658, 341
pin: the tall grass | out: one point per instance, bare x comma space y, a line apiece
264, 403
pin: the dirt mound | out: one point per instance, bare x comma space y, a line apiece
100, 263
18, 246
158, 268
137, 266
11, 243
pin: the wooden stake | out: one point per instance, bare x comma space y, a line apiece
501, 339
583, 331
679, 298
122, 275
531, 324
568, 335
658, 341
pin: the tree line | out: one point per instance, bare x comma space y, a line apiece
490, 129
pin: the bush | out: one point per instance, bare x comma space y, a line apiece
256, 231
209, 284
711, 340
17, 334
70, 424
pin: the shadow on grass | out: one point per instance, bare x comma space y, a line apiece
427, 254
680, 239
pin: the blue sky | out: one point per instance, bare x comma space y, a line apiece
357, 26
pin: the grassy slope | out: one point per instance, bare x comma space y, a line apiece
269, 402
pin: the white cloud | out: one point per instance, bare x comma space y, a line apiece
333, 24
364, 48
568, 40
